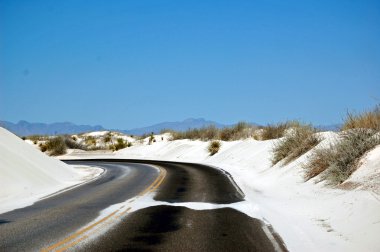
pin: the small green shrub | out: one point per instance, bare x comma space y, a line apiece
56, 146
214, 147
298, 141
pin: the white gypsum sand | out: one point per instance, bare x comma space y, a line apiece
26, 174
307, 215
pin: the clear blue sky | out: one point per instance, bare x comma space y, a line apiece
125, 64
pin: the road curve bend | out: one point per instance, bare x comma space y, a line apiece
55, 223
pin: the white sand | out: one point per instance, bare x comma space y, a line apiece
308, 216
27, 175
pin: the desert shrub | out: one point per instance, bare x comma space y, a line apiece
208, 133
204, 134
236, 132
74, 138
43, 147
23, 138
120, 144
56, 146
71, 144
214, 147
347, 152
275, 131
90, 140
36, 138
151, 139
318, 162
296, 142
107, 138
366, 120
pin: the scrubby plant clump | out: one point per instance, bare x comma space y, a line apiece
72, 144
56, 146
318, 162
90, 140
120, 144
366, 120
214, 147
342, 160
337, 163
274, 131
239, 131
296, 142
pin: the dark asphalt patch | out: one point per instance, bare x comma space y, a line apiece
169, 228
197, 183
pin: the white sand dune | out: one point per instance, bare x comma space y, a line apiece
26, 174
309, 216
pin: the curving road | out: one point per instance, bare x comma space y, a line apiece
51, 224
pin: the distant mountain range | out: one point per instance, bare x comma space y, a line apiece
190, 123
24, 128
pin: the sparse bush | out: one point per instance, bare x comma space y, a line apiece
239, 131
71, 144
107, 138
120, 144
214, 147
347, 152
36, 138
274, 131
366, 120
90, 140
318, 162
337, 163
56, 146
151, 139
23, 138
43, 147
74, 138
296, 142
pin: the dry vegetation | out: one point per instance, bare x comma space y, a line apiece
339, 161
274, 131
366, 120
214, 147
241, 130
361, 133
54, 146
298, 140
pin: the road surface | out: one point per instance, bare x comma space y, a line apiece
66, 221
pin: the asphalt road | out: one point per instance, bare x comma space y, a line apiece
51, 222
